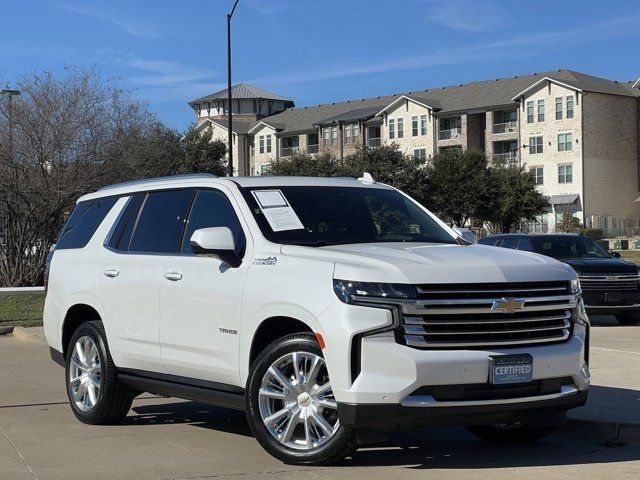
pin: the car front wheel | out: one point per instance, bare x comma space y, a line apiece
291, 407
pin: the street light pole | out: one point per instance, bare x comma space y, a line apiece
11, 94
229, 111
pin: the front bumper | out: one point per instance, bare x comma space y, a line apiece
597, 302
534, 410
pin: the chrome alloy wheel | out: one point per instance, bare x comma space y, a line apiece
84, 374
296, 401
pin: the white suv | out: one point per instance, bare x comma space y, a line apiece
328, 309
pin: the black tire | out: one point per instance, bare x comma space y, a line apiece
114, 399
628, 320
342, 444
511, 434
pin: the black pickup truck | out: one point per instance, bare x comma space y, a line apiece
609, 283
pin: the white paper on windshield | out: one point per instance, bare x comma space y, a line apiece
277, 211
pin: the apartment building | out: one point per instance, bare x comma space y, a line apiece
577, 133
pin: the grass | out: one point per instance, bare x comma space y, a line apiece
633, 255
21, 309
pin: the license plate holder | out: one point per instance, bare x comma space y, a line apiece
507, 369
613, 297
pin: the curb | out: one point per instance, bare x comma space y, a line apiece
610, 433
23, 334
6, 330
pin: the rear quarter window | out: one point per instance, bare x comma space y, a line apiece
83, 223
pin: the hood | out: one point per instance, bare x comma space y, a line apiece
601, 265
435, 263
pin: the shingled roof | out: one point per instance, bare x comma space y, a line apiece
242, 91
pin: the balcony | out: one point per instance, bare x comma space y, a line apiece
450, 134
288, 151
507, 127
374, 142
311, 149
506, 158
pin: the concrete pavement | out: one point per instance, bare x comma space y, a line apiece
174, 439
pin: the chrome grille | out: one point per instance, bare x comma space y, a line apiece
609, 281
486, 315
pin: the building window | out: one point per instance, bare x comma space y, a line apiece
268, 143
565, 173
570, 106
535, 145
414, 126
392, 128
423, 124
541, 110
400, 123
356, 133
559, 108
326, 134
252, 149
334, 135
420, 153
261, 143
538, 174
565, 141
264, 169
530, 112
347, 133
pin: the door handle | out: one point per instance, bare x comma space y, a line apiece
111, 272
173, 276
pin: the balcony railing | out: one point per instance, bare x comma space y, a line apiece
313, 149
288, 151
507, 157
452, 133
374, 142
508, 127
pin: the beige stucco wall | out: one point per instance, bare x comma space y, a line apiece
260, 159
220, 133
611, 155
406, 110
549, 130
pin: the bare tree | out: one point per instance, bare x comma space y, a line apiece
63, 137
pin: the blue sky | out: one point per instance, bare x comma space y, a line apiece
312, 51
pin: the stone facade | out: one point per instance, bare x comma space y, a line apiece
407, 110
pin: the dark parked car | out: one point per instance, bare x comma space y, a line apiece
609, 283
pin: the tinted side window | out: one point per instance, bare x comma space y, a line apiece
159, 228
510, 242
213, 209
121, 236
83, 223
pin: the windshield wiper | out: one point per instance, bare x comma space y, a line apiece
310, 243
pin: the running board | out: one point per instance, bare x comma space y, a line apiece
222, 395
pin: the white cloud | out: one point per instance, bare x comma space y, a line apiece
265, 7
467, 15
130, 25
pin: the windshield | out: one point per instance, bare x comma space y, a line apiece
569, 247
344, 215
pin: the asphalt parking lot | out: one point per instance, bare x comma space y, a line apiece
174, 439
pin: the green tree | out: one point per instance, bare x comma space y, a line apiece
513, 197
202, 154
387, 164
303, 165
459, 183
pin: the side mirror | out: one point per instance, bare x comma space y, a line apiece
216, 242
615, 254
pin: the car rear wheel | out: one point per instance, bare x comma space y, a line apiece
628, 319
290, 404
95, 394
519, 433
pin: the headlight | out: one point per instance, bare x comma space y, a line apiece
575, 285
346, 290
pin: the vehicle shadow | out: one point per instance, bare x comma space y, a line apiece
606, 321
440, 448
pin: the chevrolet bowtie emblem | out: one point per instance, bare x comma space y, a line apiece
612, 278
507, 305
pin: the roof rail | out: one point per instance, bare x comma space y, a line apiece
187, 176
